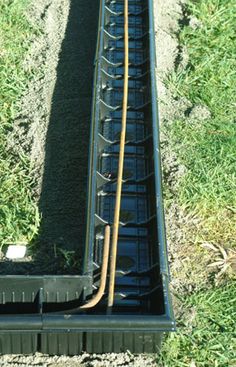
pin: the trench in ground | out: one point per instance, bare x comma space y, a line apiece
59, 246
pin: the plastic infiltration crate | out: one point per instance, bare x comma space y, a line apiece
40, 313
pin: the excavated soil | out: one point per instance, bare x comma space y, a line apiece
54, 128
186, 260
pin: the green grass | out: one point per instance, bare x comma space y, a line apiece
207, 148
206, 334
206, 331
18, 212
210, 159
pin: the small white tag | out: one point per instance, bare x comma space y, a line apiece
16, 251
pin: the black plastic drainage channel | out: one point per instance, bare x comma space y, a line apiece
33, 310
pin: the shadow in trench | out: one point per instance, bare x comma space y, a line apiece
59, 246
64, 189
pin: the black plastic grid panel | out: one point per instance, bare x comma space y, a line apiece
118, 45
133, 71
134, 235
132, 256
113, 97
134, 21
136, 57
129, 150
134, 131
135, 168
118, 30
134, 208
127, 188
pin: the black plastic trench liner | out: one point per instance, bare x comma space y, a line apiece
40, 313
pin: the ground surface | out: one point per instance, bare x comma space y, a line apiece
44, 123
45, 107
47, 127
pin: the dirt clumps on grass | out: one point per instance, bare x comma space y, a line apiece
199, 113
186, 256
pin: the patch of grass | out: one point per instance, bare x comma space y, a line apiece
18, 212
206, 333
209, 185
209, 154
207, 147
